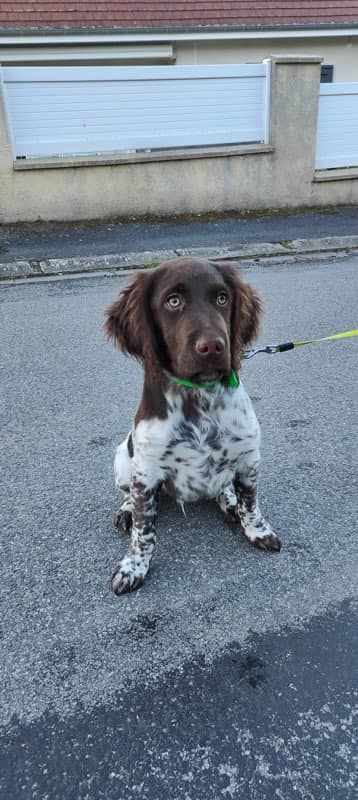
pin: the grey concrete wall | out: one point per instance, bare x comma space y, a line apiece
280, 178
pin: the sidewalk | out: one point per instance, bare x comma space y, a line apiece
40, 249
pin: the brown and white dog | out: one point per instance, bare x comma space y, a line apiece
189, 320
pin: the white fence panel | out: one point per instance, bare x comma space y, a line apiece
73, 110
337, 132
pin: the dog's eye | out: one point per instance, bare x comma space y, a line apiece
221, 298
173, 301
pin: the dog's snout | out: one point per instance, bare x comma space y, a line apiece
210, 347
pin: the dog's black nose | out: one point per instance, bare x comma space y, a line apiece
210, 347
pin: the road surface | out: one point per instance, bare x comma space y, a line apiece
236, 680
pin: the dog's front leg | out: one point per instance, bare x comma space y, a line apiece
254, 526
133, 567
239, 502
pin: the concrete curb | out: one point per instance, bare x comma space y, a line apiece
245, 255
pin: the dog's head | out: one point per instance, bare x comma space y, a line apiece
190, 317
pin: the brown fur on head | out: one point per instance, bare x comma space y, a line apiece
126, 317
144, 324
129, 322
247, 310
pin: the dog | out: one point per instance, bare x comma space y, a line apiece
195, 433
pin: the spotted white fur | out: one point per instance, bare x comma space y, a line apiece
212, 454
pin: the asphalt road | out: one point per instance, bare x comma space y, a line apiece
43, 240
231, 673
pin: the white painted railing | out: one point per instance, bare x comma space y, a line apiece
58, 111
337, 130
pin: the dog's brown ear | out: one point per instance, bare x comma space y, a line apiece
247, 309
249, 313
127, 319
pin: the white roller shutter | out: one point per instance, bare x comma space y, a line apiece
337, 131
56, 111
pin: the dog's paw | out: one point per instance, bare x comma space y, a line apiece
262, 536
270, 542
129, 575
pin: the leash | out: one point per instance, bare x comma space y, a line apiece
281, 348
232, 379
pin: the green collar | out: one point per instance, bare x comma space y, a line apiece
231, 380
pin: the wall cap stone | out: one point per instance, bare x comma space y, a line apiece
183, 154
337, 174
296, 59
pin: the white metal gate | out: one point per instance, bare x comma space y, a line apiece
337, 131
58, 111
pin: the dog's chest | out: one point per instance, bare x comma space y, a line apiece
203, 452
200, 458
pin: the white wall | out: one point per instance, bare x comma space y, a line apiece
341, 52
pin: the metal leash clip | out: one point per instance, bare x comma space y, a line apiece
267, 348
